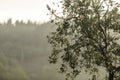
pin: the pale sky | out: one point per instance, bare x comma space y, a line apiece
34, 10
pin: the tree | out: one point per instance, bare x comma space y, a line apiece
10, 70
9, 22
86, 37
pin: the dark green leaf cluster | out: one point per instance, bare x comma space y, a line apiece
85, 37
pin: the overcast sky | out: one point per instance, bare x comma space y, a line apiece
34, 10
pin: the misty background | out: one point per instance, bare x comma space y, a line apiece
24, 51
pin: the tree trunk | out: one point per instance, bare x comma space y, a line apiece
111, 76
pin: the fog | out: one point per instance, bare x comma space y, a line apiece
24, 47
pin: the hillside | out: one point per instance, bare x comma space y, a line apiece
26, 44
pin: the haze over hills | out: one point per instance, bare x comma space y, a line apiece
25, 44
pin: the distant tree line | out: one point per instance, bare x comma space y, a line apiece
24, 51
19, 23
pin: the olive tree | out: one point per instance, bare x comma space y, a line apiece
86, 37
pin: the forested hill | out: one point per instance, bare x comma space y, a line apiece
24, 51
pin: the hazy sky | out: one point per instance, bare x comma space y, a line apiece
25, 9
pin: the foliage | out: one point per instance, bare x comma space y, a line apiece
86, 37
17, 74
9, 70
